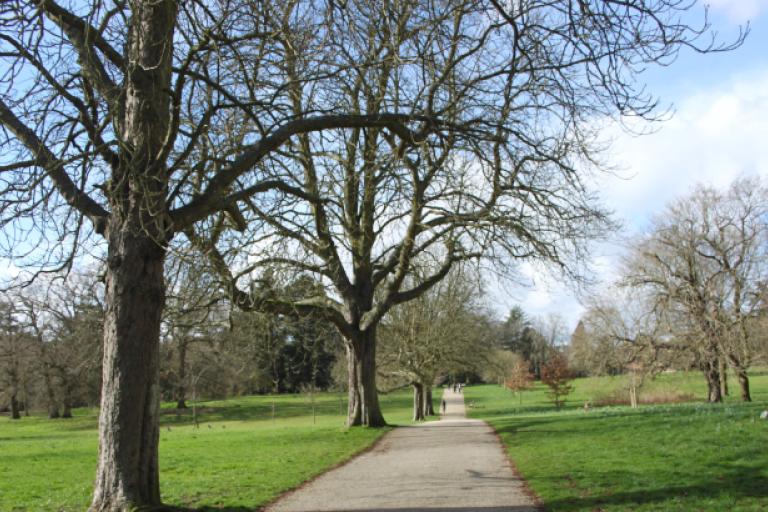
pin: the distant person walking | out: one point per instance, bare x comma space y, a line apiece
443, 405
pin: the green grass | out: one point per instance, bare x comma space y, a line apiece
238, 457
684, 457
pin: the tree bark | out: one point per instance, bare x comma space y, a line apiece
354, 407
746, 396
15, 412
723, 368
53, 408
418, 401
429, 409
363, 367
66, 411
138, 231
127, 475
67, 387
712, 374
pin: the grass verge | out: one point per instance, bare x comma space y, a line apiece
237, 458
684, 457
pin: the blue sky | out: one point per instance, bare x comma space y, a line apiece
718, 132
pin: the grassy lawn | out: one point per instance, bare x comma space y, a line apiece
684, 457
238, 458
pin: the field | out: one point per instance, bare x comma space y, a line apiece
243, 452
238, 458
683, 457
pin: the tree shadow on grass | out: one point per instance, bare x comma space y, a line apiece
737, 483
644, 417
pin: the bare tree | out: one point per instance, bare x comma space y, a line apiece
438, 333
66, 318
703, 263
543, 337
502, 102
125, 123
736, 242
194, 308
627, 335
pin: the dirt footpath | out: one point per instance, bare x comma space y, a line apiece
455, 464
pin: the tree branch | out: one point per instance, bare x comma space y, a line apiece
55, 170
207, 202
84, 38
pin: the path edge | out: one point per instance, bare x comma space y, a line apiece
526, 488
266, 507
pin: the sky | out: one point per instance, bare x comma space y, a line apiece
718, 132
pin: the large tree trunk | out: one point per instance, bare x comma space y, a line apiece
66, 406
127, 475
15, 410
66, 399
712, 374
53, 412
744, 385
723, 367
363, 353
418, 401
138, 232
429, 409
53, 408
354, 406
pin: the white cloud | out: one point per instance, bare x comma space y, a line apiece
739, 11
715, 136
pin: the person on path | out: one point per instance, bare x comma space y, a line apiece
443, 404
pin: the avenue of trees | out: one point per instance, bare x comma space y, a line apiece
443, 334
371, 145
50, 349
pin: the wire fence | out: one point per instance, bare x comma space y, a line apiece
273, 408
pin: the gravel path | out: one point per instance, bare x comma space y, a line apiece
452, 465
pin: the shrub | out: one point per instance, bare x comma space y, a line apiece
557, 376
520, 379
